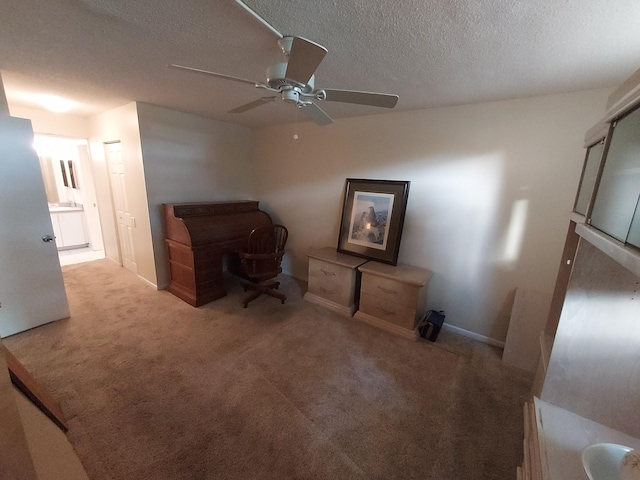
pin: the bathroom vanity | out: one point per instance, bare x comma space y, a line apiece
68, 226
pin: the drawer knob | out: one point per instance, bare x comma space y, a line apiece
387, 291
327, 273
332, 292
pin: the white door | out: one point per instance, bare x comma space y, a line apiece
125, 222
31, 286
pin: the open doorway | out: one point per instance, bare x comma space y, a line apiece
71, 197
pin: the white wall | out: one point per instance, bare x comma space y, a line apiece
4, 106
121, 124
492, 186
33, 447
188, 158
50, 123
15, 456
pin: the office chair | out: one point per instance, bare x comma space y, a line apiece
261, 261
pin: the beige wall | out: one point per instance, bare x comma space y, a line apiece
32, 446
188, 158
492, 186
15, 458
4, 106
121, 124
50, 123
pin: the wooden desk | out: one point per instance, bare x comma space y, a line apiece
198, 235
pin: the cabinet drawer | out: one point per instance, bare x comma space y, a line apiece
390, 290
388, 311
331, 290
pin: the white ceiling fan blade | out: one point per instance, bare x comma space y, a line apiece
259, 18
304, 59
213, 74
254, 104
316, 114
385, 100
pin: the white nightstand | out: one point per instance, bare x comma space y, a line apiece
334, 281
393, 298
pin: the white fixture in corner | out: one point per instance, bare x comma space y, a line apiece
631, 465
604, 461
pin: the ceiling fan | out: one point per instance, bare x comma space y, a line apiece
294, 79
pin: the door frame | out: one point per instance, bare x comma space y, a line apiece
124, 262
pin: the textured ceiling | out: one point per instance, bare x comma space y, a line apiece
105, 53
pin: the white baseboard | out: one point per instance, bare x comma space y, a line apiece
341, 309
114, 260
388, 326
151, 284
475, 336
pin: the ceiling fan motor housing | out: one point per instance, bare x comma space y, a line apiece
276, 79
290, 96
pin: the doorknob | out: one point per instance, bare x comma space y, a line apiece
47, 238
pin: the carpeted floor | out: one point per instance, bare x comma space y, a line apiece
156, 389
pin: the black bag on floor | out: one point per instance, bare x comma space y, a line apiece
429, 327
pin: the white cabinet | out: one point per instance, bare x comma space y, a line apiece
57, 233
334, 281
393, 298
618, 193
68, 228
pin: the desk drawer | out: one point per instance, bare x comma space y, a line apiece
390, 290
388, 311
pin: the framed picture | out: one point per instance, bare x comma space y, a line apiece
372, 218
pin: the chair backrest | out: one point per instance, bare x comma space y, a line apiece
264, 252
267, 239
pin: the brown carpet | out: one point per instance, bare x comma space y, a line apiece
156, 389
